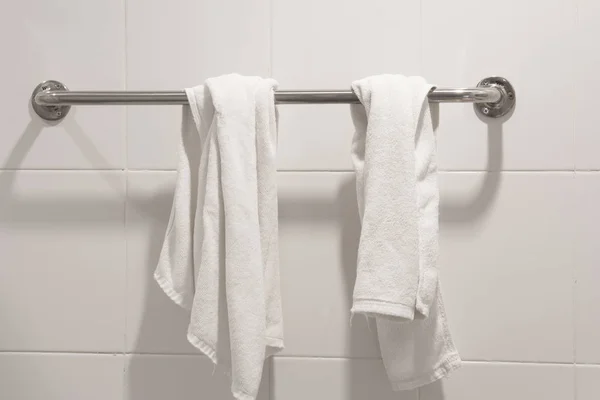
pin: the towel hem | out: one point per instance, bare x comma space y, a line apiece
378, 308
442, 370
210, 353
202, 346
175, 296
275, 344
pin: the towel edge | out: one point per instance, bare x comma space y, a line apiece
173, 294
383, 309
442, 370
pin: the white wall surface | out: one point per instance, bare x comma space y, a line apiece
84, 203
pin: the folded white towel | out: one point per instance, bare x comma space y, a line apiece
220, 254
394, 152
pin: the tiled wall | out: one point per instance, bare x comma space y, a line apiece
84, 203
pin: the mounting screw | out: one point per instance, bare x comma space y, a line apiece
506, 102
49, 112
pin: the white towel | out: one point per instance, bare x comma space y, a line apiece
394, 155
220, 254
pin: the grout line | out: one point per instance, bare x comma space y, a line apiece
574, 240
464, 171
575, 394
533, 171
523, 362
4, 352
529, 171
62, 169
464, 361
458, 171
125, 45
126, 269
574, 108
125, 385
574, 100
421, 65
126, 200
271, 25
271, 378
152, 170
271, 385
63, 352
126, 82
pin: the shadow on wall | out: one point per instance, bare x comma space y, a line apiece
163, 320
464, 211
30, 134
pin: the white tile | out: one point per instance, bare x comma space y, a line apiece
159, 377
477, 381
62, 281
506, 260
587, 273
61, 376
82, 45
332, 379
319, 232
531, 43
179, 46
154, 323
587, 64
327, 45
587, 379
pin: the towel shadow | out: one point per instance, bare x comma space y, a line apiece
466, 211
29, 212
342, 211
435, 391
53, 208
27, 139
16, 156
161, 321
20, 150
89, 211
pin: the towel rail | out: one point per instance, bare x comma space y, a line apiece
493, 97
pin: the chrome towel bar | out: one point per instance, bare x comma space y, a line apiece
51, 100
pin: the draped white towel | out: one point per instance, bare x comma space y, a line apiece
394, 156
220, 254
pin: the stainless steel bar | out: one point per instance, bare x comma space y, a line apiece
494, 97
490, 94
